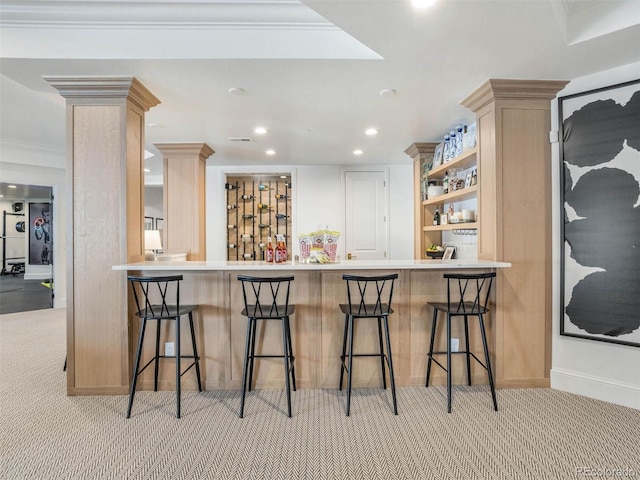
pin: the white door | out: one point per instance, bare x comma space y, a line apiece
365, 215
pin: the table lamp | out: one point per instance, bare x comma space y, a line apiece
152, 244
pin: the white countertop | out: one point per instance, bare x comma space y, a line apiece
344, 265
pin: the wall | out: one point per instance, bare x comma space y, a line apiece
55, 178
599, 370
317, 198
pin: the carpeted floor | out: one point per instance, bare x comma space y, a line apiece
537, 434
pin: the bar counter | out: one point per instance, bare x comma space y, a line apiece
316, 326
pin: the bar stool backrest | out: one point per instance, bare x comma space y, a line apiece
265, 297
370, 296
156, 297
468, 293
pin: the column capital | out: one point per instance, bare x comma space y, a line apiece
187, 150
421, 149
109, 86
506, 89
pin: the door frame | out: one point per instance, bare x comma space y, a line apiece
343, 203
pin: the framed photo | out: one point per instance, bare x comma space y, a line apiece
437, 155
599, 227
467, 180
448, 253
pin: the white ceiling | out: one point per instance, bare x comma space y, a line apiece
311, 71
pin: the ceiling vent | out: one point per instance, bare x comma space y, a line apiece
239, 139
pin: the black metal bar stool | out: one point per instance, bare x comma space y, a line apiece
267, 298
472, 296
158, 298
375, 305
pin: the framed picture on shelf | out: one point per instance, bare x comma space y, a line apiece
467, 180
448, 253
437, 155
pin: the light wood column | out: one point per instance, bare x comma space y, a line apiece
514, 204
105, 181
419, 152
184, 198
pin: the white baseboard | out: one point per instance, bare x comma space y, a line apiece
620, 393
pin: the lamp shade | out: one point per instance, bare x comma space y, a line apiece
152, 240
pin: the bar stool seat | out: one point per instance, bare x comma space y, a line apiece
360, 305
158, 298
267, 298
472, 293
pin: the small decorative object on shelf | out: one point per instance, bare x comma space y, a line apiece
446, 153
458, 149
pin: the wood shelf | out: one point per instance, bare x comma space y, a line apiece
462, 194
451, 226
466, 160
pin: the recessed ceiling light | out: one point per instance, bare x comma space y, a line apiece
260, 130
422, 3
283, 176
387, 92
147, 170
270, 152
371, 131
358, 152
236, 91
12, 186
1, 196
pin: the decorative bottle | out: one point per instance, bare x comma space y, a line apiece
269, 253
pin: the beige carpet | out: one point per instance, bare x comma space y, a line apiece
537, 434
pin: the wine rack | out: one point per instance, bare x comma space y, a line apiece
258, 207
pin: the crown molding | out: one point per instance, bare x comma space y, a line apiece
72, 87
507, 89
425, 148
185, 149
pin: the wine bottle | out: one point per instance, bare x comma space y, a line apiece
269, 253
231, 245
263, 225
231, 207
436, 217
247, 255
231, 227
247, 197
264, 206
445, 182
230, 186
280, 216
247, 216
263, 187
281, 196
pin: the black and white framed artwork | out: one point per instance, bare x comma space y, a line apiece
600, 198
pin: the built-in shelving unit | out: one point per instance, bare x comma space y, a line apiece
258, 207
